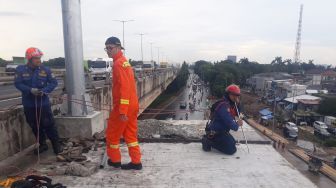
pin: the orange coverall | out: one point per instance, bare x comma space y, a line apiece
125, 101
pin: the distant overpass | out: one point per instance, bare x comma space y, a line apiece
15, 134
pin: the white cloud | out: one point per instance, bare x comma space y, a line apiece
184, 29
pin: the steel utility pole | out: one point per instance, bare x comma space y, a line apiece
158, 51
151, 45
298, 38
123, 23
73, 49
141, 34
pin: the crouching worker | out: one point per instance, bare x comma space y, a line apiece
35, 81
222, 120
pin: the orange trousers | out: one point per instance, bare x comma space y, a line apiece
129, 130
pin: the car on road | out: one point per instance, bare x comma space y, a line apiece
320, 129
183, 105
332, 130
290, 130
10, 68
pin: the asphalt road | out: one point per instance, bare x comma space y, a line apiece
177, 113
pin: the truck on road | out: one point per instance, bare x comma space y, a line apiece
100, 68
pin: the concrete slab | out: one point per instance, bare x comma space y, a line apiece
192, 129
82, 127
186, 165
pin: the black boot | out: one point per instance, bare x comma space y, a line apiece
42, 148
115, 165
56, 147
131, 166
206, 145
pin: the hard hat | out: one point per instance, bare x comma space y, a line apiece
33, 52
233, 89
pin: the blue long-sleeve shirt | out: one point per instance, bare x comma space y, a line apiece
40, 78
223, 120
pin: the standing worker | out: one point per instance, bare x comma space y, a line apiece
123, 118
35, 81
222, 117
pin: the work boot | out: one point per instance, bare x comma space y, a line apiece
131, 166
56, 147
115, 165
42, 148
206, 146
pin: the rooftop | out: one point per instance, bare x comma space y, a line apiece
185, 164
300, 97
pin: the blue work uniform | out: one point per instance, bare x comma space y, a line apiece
221, 124
41, 78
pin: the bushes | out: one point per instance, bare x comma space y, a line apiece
331, 142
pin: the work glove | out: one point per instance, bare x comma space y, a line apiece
36, 92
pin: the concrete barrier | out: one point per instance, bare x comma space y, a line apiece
16, 135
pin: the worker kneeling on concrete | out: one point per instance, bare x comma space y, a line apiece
35, 81
123, 118
222, 120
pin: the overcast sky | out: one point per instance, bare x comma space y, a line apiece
187, 30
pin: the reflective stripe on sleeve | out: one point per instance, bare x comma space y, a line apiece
124, 101
114, 146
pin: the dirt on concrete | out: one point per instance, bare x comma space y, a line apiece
251, 104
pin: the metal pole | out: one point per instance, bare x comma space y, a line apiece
141, 49
124, 36
123, 23
158, 48
273, 115
151, 51
73, 49
248, 149
141, 34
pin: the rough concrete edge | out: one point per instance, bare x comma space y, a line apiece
4, 164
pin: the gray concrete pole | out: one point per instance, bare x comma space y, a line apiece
73, 48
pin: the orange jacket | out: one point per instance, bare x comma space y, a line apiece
124, 89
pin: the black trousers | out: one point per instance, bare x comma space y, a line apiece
224, 143
47, 123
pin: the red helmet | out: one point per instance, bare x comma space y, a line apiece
33, 52
233, 89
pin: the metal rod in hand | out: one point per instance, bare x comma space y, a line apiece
105, 158
248, 149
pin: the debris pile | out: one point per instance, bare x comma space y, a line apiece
158, 129
73, 160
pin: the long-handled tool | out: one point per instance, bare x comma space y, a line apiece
248, 150
104, 160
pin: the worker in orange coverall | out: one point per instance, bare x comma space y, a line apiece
123, 117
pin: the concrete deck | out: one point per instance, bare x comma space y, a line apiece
186, 165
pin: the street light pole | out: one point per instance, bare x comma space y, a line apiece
123, 23
151, 45
158, 49
141, 34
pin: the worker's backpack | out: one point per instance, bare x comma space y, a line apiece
213, 109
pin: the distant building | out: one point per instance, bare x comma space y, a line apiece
314, 76
261, 82
232, 58
19, 60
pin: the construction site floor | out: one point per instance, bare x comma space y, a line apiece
181, 162
186, 165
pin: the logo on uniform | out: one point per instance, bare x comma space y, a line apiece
43, 73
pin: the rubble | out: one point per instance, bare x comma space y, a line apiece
81, 169
159, 129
